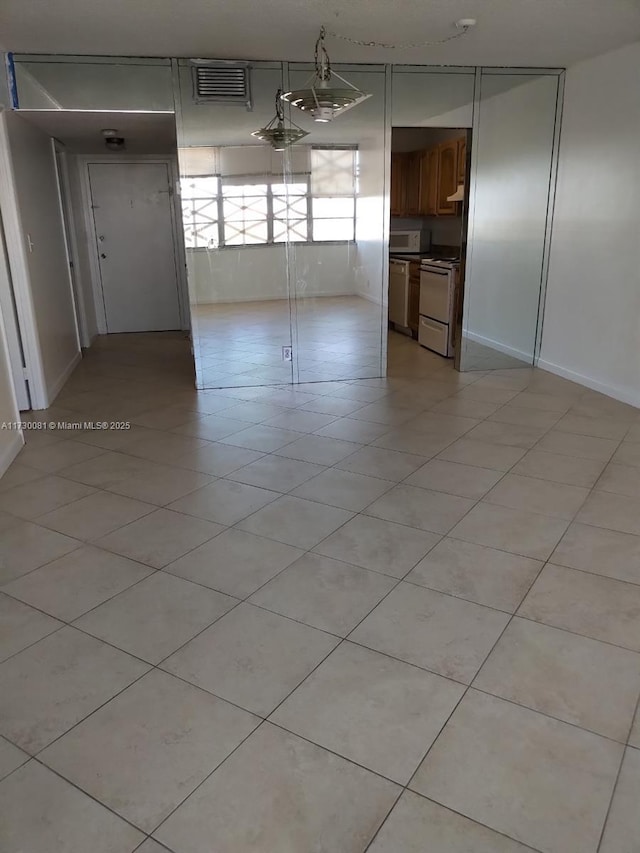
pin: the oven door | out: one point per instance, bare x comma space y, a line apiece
435, 294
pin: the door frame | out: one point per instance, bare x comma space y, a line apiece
84, 161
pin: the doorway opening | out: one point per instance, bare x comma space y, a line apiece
427, 248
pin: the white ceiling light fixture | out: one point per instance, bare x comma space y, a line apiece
322, 100
280, 132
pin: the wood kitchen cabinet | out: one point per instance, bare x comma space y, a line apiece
398, 184
421, 181
447, 176
414, 297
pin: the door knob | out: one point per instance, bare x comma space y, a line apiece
102, 255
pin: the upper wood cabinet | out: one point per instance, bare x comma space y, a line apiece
422, 180
462, 160
447, 176
413, 179
398, 184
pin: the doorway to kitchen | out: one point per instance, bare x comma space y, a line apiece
427, 243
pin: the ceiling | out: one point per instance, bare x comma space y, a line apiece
509, 32
80, 132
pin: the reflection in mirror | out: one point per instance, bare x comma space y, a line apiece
514, 155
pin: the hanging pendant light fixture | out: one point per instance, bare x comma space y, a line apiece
280, 132
321, 99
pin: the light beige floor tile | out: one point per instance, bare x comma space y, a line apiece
615, 512
622, 830
212, 427
434, 511
404, 440
559, 468
603, 552
107, 469
163, 485
349, 429
417, 825
276, 473
593, 606
38, 809
251, 657
634, 433
20, 626
53, 457
466, 408
337, 406
160, 537
52, 685
582, 681
17, 475
482, 454
542, 402
634, 737
466, 481
488, 393
343, 489
526, 533
476, 573
26, 546
382, 546
278, 792
255, 411
598, 427
261, 437
77, 582
379, 712
510, 435
318, 449
217, 459
235, 562
386, 412
441, 425
168, 417
443, 634
379, 462
37, 497
628, 453
511, 413
324, 593
151, 846
541, 496
150, 747
7, 520
582, 446
511, 769
156, 616
620, 479
224, 502
295, 521
163, 447
300, 421
10, 758
95, 515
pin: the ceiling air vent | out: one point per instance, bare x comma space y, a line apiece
223, 82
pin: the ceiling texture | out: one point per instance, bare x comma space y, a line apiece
539, 33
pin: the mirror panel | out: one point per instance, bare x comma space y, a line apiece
513, 160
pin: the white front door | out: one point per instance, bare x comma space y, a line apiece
135, 242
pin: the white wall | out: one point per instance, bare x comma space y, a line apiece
35, 185
592, 313
246, 275
10, 440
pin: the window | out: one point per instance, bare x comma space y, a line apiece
243, 211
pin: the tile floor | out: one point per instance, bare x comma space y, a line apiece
392, 615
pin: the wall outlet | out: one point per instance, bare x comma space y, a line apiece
287, 353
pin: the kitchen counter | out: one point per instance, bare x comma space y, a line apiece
419, 256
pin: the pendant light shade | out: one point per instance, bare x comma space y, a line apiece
322, 99
280, 132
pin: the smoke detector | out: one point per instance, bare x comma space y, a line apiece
112, 139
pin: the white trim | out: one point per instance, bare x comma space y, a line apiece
84, 162
299, 296
11, 450
17, 253
500, 347
58, 383
12, 331
65, 239
617, 392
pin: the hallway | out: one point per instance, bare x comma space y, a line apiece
388, 615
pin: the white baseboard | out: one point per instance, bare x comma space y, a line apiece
500, 347
57, 385
625, 395
278, 298
9, 453
368, 297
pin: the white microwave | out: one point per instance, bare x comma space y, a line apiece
412, 240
